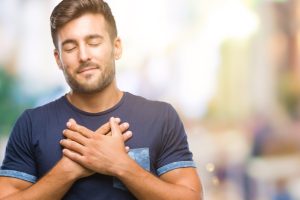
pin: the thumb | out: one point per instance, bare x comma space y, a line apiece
105, 128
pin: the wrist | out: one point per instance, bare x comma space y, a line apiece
69, 170
126, 169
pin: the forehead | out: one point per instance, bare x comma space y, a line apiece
79, 28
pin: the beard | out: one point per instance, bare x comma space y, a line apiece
89, 86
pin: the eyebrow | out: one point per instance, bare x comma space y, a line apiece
68, 41
95, 36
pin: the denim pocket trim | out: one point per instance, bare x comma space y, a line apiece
142, 157
175, 165
18, 175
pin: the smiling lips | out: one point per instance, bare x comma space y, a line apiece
86, 69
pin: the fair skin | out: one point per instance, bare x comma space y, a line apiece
87, 40
96, 154
59, 179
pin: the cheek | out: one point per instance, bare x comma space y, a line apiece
103, 52
69, 62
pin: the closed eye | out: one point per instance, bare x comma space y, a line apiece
94, 44
70, 49
94, 41
69, 45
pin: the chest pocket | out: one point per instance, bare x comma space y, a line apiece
141, 156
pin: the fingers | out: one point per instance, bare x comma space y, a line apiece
72, 145
115, 128
124, 127
73, 155
105, 128
75, 136
127, 135
72, 125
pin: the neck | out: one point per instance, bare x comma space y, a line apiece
98, 101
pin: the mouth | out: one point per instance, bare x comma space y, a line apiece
86, 69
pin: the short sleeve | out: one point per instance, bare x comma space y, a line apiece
19, 157
175, 151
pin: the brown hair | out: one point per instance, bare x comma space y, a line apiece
68, 10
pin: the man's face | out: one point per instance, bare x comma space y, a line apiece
86, 53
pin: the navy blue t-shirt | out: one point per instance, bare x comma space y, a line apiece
159, 143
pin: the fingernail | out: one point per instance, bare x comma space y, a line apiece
118, 120
115, 119
69, 124
129, 133
125, 125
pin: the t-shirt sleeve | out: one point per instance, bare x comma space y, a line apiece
19, 159
175, 151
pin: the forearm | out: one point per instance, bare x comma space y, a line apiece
52, 186
146, 186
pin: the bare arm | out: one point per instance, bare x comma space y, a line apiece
9, 186
55, 184
95, 153
51, 187
178, 184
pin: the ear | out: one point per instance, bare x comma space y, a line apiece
117, 48
57, 58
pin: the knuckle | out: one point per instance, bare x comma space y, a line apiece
80, 128
88, 161
85, 152
70, 137
65, 143
74, 156
72, 144
92, 137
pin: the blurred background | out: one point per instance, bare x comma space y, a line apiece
231, 68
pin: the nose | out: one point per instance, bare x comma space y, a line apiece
84, 54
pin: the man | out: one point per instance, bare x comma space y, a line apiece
77, 147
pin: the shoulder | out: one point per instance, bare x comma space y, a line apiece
52, 104
144, 103
159, 111
35, 119
45, 109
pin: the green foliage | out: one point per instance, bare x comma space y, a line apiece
9, 108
